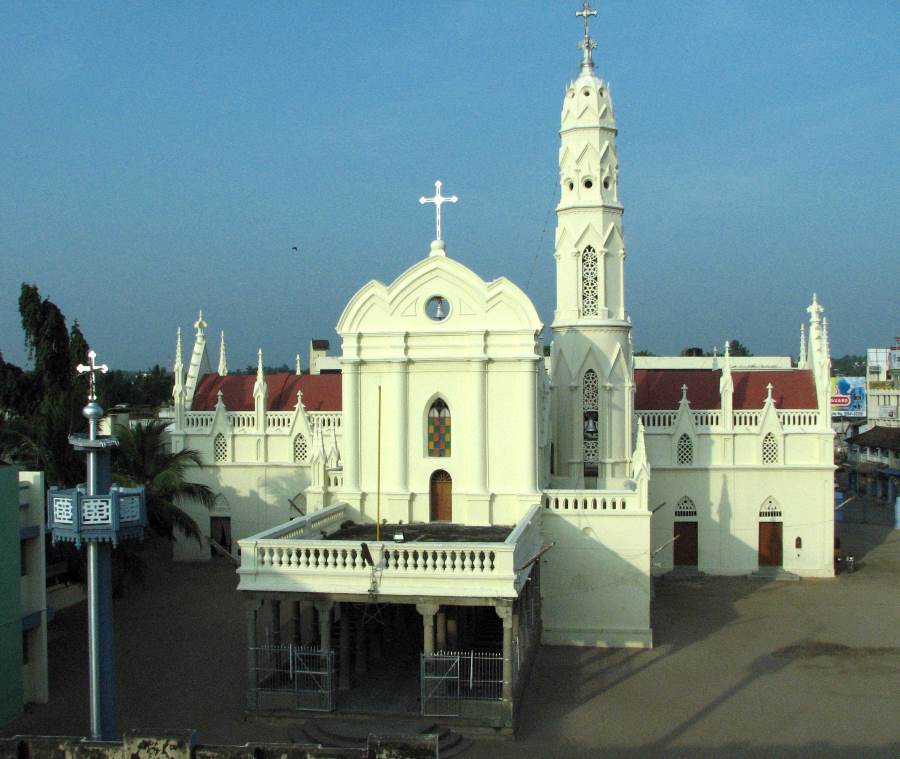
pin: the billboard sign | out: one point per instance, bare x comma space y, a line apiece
848, 396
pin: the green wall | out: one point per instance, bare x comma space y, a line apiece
11, 693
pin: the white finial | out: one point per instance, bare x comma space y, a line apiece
801, 363
728, 347
684, 397
438, 201
200, 325
178, 362
92, 368
769, 392
219, 401
259, 364
299, 399
223, 361
815, 310
297, 369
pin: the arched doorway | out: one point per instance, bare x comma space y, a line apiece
441, 491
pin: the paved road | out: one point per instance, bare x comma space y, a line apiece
741, 668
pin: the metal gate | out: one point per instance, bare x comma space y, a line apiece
458, 682
299, 677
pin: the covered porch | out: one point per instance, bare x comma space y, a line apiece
437, 619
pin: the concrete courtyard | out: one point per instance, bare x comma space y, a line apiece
742, 667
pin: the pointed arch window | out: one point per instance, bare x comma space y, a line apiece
590, 404
301, 449
439, 429
770, 509
769, 449
589, 296
684, 452
220, 448
685, 508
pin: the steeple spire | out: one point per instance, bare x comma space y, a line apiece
223, 361
587, 45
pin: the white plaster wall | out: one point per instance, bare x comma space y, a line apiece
596, 579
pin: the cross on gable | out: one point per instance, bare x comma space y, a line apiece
438, 201
92, 368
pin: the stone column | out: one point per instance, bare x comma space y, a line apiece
427, 611
576, 451
397, 406
350, 401
324, 610
275, 620
440, 631
360, 664
307, 624
344, 664
478, 472
505, 612
296, 624
250, 612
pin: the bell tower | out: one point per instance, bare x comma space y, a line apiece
592, 373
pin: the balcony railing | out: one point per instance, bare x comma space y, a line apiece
591, 502
287, 558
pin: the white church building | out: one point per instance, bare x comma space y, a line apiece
454, 484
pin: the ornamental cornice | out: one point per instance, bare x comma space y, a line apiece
616, 210
582, 127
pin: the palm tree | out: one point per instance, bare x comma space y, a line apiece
144, 458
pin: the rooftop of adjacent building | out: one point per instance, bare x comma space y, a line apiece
878, 437
425, 532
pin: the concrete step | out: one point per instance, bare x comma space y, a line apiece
352, 733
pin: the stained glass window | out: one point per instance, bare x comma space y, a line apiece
439, 429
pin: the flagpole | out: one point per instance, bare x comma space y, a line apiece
378, 477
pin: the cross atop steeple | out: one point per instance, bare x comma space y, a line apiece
92, 368
587, 45
438, 201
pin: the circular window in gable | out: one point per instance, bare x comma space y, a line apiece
437, 308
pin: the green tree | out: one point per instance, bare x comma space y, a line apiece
143, 458
848, 366
737, 348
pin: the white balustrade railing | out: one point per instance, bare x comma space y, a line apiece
657, 419
802, 419
242, 420
280, 420
590, 502
324, 420
198, 421
707, 418
288, 556
747, 418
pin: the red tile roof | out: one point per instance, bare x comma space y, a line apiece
661, 388
321, 392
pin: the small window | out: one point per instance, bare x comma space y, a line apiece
605, 183
769, 449
437, 308
685, 508
439, 429
220, 448
685, 451
589, 288
588, 184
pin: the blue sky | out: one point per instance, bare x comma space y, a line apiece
156, 158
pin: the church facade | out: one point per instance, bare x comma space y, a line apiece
546, 489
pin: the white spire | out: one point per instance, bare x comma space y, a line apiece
801, 362
178, 368
260, 376
223, 362
297, 369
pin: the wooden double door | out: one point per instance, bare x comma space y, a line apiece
770, 544
441, 491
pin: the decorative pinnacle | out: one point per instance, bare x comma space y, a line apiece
297, 369
200, 325
223, 359
438, 201
684, 389
587, 45
92, 368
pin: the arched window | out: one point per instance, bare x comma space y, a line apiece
300, 448
769, 449
770, 509
685, 450
439, 429
590, 405
220, 448
685, 508
589, 300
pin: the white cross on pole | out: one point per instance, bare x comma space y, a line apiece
586, 12
438, 200
92, 368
